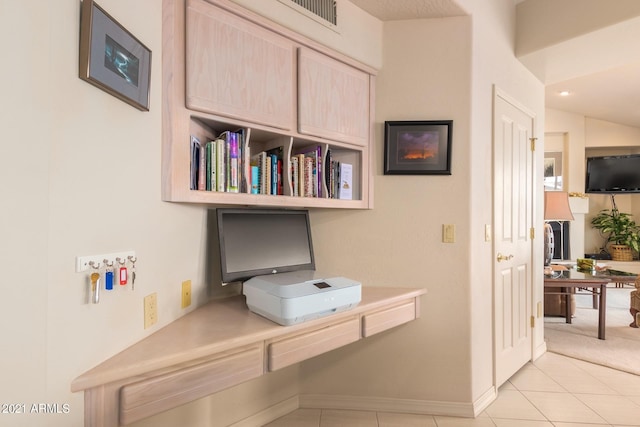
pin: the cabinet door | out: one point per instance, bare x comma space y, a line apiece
333, 99
238, 69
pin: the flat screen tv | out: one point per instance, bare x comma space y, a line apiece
255, 242
613, 174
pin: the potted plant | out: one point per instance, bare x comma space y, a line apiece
621, 231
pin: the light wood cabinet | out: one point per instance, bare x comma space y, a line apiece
333, 99
238, 69
226, 68
222, 344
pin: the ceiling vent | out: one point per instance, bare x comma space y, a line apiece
323, 11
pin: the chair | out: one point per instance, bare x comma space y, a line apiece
635, 303
554, 305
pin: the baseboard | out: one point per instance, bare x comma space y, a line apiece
381, 404
377, 404
484, 401
270, 414
539, 350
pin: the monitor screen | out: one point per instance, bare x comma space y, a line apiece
613, 174
254, 242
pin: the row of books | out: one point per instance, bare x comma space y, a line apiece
308, 171
266, 172
216, 165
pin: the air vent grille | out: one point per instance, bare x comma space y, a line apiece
325, 9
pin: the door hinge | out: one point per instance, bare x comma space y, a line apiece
533, 143
533, 322
532, 233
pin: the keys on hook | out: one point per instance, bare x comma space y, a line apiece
133, 260
105, 273
108, 275
95, 287
122, 272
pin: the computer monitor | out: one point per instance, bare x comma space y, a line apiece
254, 242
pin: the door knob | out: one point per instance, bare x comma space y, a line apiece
504, 257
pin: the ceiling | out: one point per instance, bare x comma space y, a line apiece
612, 94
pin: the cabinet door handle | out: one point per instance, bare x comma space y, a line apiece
504, 257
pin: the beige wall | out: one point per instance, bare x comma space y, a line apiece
399, 243
81, 176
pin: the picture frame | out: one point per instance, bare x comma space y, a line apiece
553, 171
421, 147
112, 58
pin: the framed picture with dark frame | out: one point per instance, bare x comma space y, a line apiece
112, 59
553, 171
417, 147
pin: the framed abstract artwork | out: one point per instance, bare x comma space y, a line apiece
417, 147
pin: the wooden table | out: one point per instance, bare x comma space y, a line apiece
569, 282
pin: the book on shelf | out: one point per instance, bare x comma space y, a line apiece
234, 169
220, 165
211, 168
202, 168
259, 162
329, 174
308, 174
231, 158
255, 179
242, 179
266, 174
294, 176
301, 175
195, 162
346, 181
276, 170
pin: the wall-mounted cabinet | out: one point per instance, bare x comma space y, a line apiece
226, 69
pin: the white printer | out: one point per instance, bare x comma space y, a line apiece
297, 296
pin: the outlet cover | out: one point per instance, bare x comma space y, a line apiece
150, 310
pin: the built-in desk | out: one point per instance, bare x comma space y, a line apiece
222, 344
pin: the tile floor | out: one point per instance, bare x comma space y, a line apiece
553, 391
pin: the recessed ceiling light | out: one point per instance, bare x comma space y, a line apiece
564, 93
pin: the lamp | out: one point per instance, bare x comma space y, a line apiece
556, 208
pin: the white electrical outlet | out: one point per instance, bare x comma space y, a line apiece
83, 263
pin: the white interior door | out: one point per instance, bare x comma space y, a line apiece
513, 214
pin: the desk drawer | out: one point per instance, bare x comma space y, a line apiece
292, 350
150, 396
388, 318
